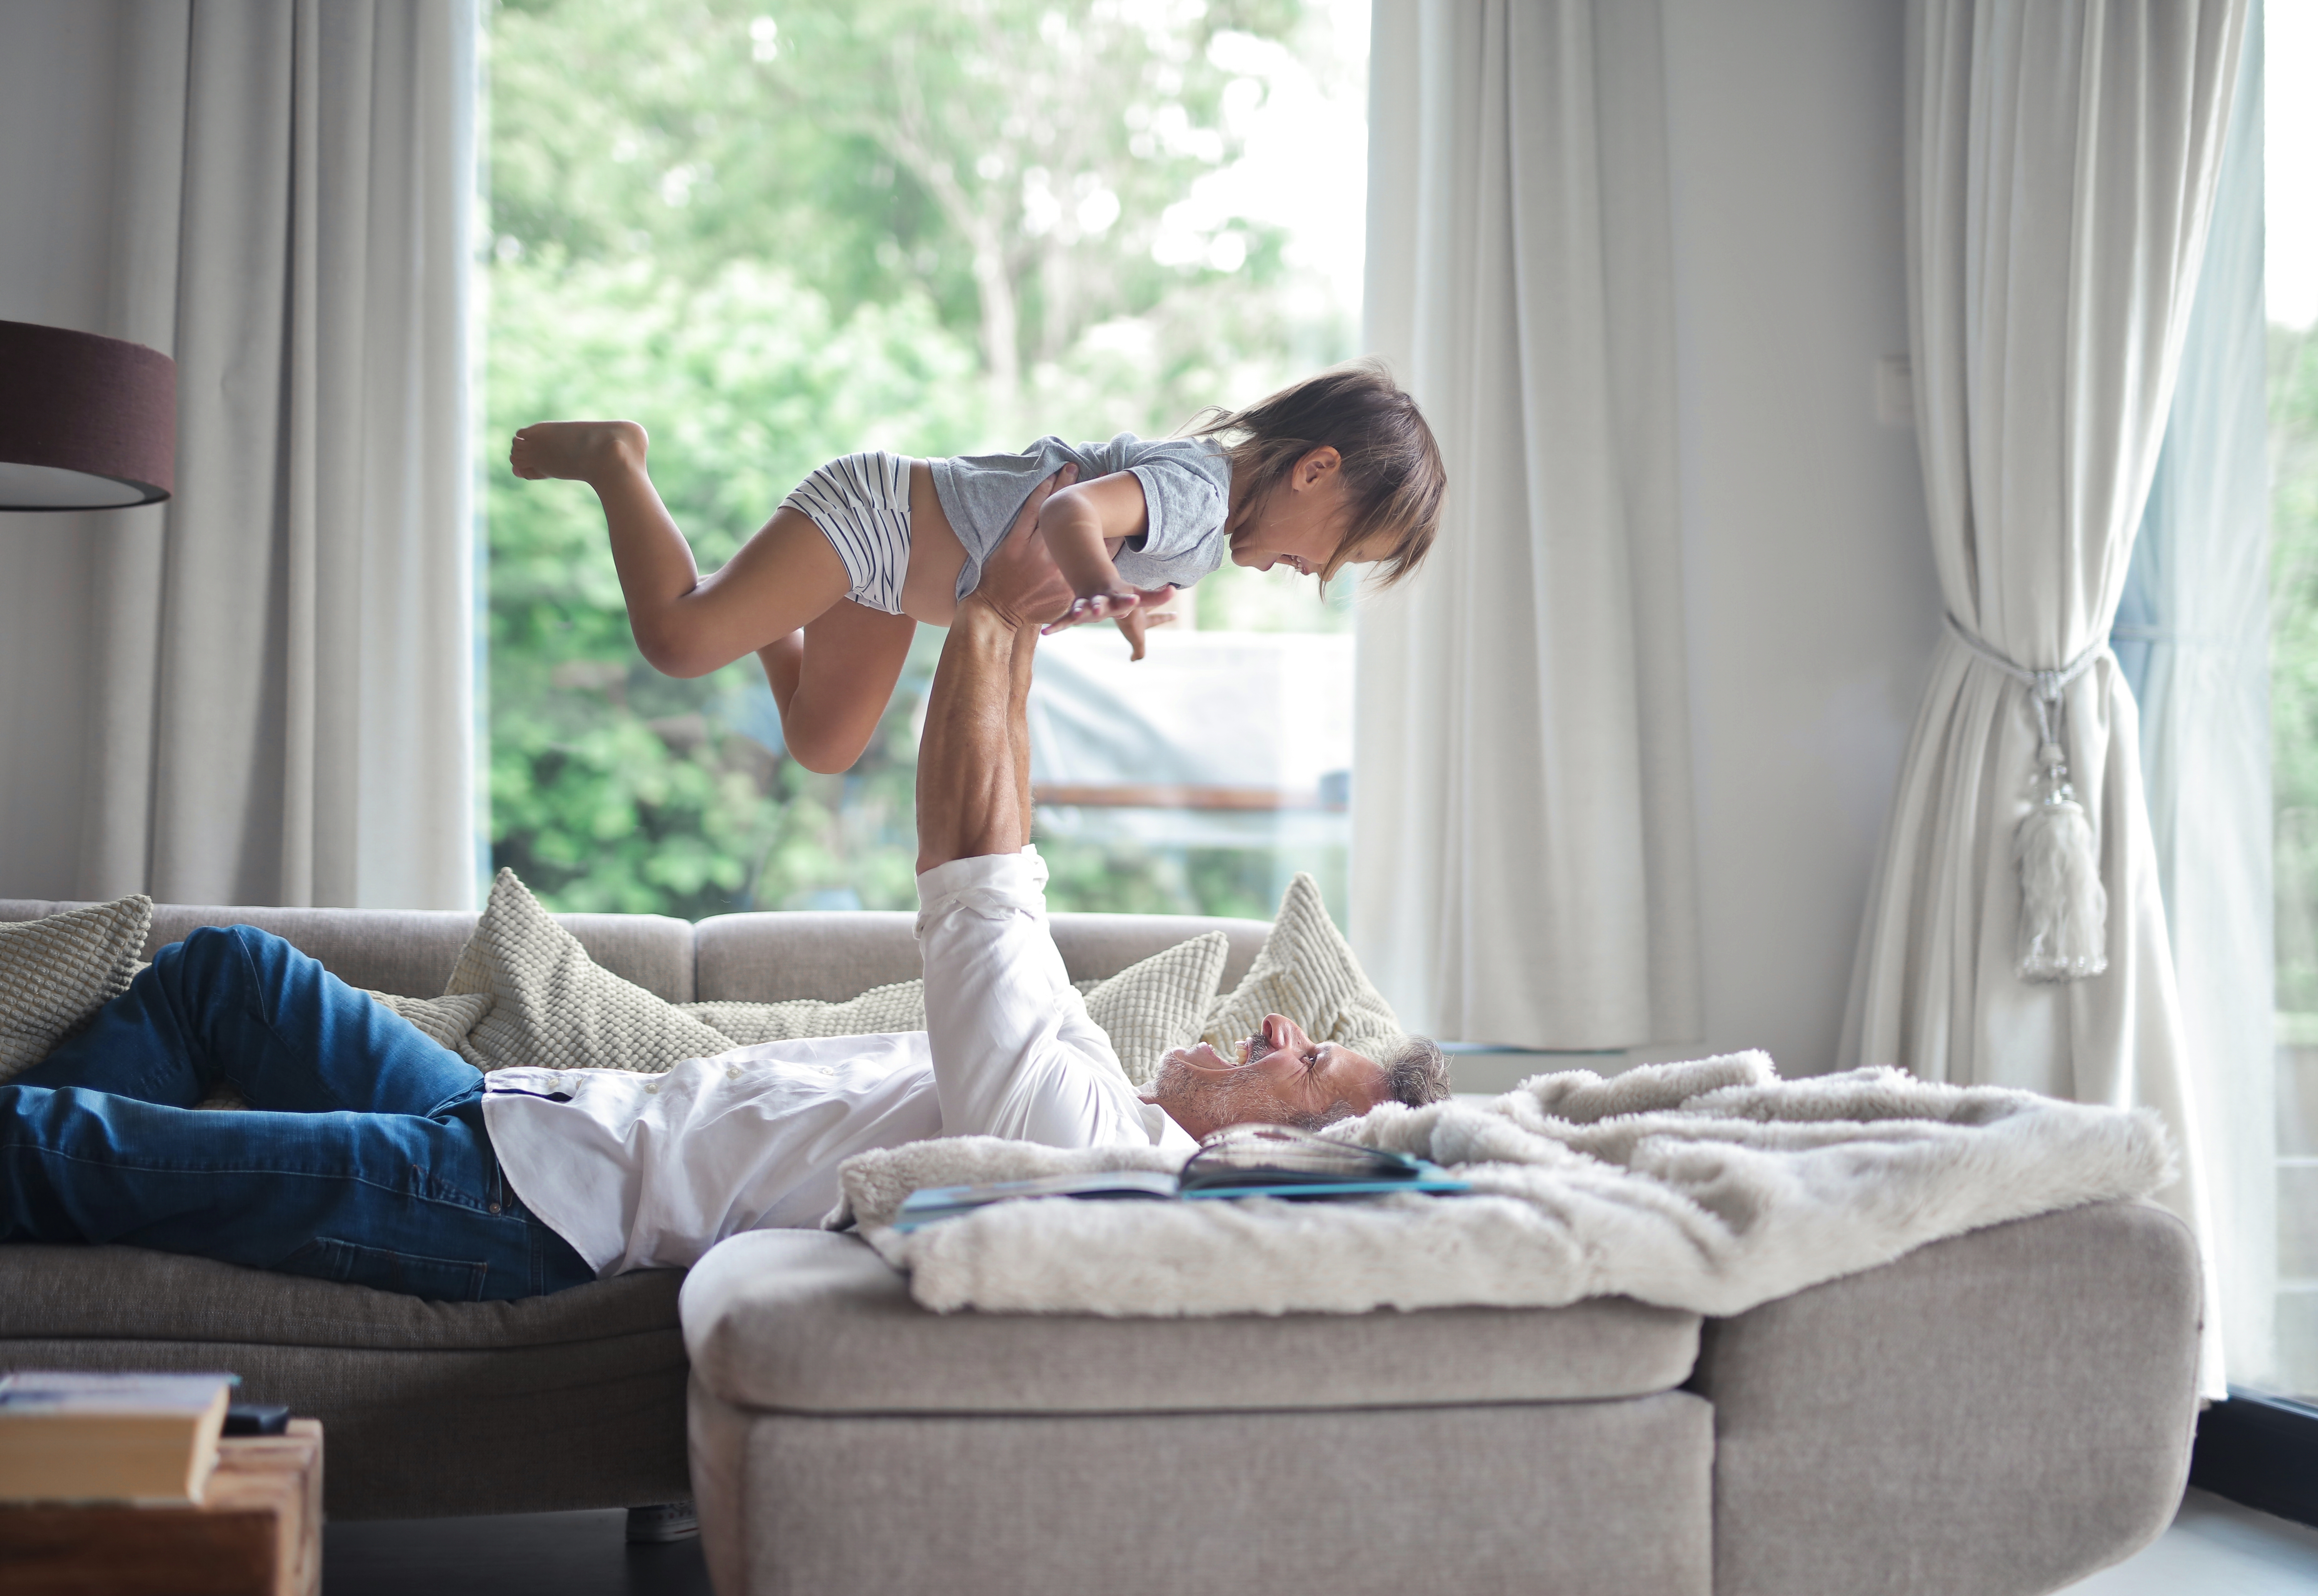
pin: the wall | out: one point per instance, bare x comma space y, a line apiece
57, 103
1812, 599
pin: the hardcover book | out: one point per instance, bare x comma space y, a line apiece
145, 1439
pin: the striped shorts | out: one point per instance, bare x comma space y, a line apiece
861, 503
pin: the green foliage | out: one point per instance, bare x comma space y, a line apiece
614, 787
923, 225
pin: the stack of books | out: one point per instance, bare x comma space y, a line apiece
150, 1439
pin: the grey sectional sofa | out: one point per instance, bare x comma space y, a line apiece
571, 1401
2001, 1413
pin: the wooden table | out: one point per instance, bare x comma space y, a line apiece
257, 1532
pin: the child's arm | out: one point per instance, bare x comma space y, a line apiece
1082, 525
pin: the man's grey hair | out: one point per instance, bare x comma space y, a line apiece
1418, 1074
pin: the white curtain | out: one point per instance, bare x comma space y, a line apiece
2192, 634
286, 675
1521, 867
2060, 166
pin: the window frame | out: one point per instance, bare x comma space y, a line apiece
2257, 1450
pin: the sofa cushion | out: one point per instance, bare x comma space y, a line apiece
2036, 1381
1151, 1008
554, 1007
555, 1403
900, 1006
1306, 971
1146, 1009
58, 971
443, 1020
815, 1322
132, 1293
1560, 1499
774, 957
414, 951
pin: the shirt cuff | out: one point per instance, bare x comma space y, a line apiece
991, 885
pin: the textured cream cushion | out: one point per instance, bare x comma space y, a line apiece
443, 1020
1145, 1009
56, 973
1306, 971
901, 1006
1150, 1008
554, 1007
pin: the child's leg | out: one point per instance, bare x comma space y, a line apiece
686, 623
833, 681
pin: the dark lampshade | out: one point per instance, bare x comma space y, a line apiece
86, 422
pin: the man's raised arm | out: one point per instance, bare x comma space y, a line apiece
974, 760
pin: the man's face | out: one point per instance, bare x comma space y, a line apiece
1285, 1078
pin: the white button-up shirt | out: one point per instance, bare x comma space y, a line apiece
643, 1171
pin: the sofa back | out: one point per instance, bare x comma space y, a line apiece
756, 958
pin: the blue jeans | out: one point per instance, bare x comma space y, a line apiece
362, 1157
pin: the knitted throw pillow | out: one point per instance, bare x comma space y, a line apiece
57, 972
554, 1007
1146, 1009
901, 1006
1306, 971
1154, 1006
443, 1021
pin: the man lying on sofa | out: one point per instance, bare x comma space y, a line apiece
370, 1154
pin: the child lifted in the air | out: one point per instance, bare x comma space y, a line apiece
1338, 469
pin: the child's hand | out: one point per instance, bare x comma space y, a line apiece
1139, 620
1104, 607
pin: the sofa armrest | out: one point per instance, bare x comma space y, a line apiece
2003, 1411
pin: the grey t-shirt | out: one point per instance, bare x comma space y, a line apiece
1186, 492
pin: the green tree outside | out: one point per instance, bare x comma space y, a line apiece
778, 235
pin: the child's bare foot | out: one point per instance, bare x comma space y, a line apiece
576, 451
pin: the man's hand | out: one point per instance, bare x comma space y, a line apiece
1020, 579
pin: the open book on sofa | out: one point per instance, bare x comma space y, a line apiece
1238, 1161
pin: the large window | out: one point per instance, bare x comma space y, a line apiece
777, 233
2291, 288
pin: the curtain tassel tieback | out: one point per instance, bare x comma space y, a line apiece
2063, 909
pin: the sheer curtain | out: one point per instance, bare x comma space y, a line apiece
2062, 162
2192, 636
1521, 838
286, 676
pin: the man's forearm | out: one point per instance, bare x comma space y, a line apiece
973, 758
1017, 722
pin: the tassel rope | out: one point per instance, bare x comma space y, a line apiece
2064, 934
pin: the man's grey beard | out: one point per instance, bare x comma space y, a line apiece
1239, 1096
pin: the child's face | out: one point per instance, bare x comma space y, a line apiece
1304, 521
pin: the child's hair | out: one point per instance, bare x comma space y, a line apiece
1391, 468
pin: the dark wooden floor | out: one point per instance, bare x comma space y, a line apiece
529, 1555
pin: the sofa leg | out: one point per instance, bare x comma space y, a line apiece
662, 1521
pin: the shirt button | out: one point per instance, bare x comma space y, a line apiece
652, 1086
732, 1072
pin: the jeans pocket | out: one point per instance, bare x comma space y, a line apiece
443, 1279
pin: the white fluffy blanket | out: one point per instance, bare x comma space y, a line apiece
1711, 1186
